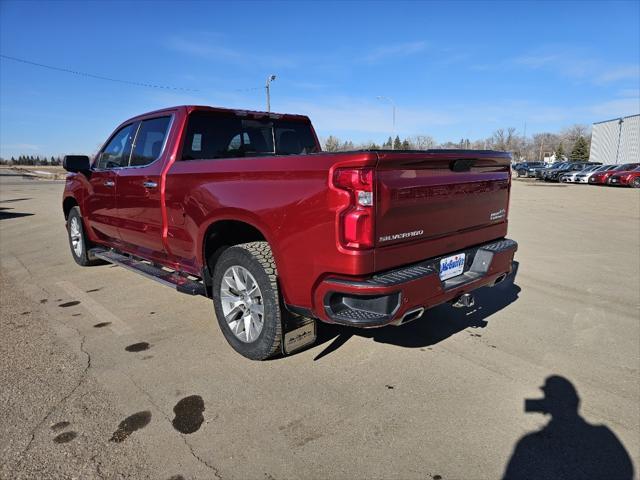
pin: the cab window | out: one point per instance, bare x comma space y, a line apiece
116, 153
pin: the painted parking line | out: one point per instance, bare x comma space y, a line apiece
100, 312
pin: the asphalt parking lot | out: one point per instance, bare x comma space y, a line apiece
106, 374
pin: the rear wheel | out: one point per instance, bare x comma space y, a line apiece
247, 301
78, 240
520, 173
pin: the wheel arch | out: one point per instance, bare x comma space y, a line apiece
227, 232
67, 204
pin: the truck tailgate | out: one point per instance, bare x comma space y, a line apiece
437, 202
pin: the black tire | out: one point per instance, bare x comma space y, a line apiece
256, 257
635, 183
520, 173
80, 255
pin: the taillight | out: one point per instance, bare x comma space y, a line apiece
356, 219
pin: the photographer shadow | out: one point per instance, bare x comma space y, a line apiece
567, 447
436, 325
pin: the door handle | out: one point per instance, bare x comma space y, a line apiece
149, 184
109, 183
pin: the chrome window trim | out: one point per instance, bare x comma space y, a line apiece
133, 144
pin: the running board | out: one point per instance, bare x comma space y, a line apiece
169, 278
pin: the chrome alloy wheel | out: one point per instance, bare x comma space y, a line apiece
242, 303
75, 233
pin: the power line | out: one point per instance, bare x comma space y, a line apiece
91, 75
247, 89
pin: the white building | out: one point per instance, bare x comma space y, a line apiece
616, 141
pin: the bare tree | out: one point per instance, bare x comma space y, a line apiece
422, 142
544, 143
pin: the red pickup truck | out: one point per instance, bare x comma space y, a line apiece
245, 208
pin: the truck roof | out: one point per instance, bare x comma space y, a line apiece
236, 111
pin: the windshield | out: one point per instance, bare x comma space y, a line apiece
218, 135
627, 166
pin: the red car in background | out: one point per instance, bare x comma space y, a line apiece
628, 178
602, 178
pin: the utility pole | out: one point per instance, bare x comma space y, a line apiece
393, 130
270, 79
524, 142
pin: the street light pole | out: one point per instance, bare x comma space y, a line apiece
270, 79
393, 107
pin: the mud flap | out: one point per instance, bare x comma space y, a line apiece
299, 332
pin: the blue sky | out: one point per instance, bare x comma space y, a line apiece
454, 69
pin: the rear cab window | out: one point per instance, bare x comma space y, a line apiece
211, 135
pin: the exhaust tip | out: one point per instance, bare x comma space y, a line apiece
412, 315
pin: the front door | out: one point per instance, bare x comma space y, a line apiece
100, 209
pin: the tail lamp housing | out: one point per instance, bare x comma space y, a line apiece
356, 219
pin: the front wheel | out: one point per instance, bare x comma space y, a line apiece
78, 240
520, 173
247, 301
635, 183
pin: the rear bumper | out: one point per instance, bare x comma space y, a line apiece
399, 295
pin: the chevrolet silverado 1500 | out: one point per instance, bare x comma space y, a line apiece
245, 208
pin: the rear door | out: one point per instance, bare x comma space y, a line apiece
431, 203
139, 189
100, 210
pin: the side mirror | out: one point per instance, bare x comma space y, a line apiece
76, 163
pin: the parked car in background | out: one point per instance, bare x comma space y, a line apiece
629, 178
577, 169
542, 173
583, 177
602, 178
523, 169
569, 167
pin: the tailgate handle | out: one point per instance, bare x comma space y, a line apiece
462, 164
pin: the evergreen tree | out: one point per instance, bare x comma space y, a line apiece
332, 144
346, 146
580, 150
388, 143
397, 145
13, 161
559, 153
406, 145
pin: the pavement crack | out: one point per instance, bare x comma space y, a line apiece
215, 471
201, 460
98, 465
58, 403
